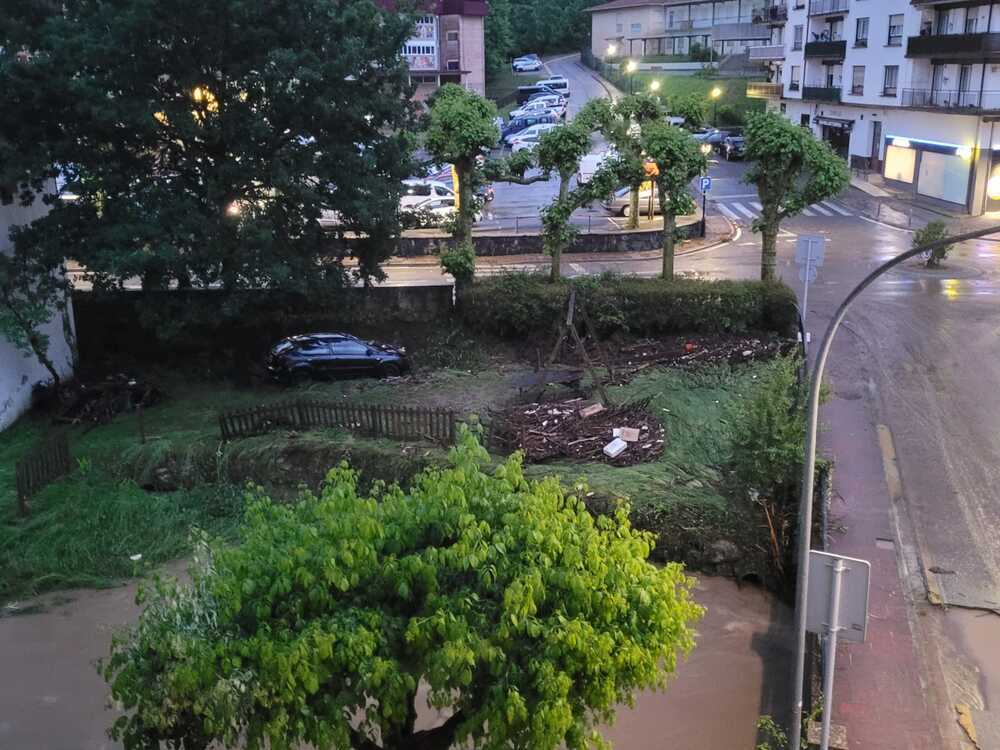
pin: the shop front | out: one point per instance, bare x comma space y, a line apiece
837, 132
930, 169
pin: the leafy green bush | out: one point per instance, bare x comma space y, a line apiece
521, 304
933, 232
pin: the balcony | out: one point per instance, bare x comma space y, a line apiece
823, 7
770, 14
738, 32
955, 46
829, 50
767, 52
952, 100
762, 90
821, 93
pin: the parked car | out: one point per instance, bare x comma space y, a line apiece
431, 213
620, 204
526, 64
559, 84
417, 191
591, 163
524, 93
324, 355
525, 143
734, 147
547, 103
518, 124
546, 91
712, 136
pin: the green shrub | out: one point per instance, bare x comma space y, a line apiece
521, 304
933, 232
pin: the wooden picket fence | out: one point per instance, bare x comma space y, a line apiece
397, 422
42, 465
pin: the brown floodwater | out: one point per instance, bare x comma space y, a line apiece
52, 698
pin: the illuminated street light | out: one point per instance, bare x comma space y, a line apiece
631, 66
715, 93
654, 86
612, 49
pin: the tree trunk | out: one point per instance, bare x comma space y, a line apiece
466, 204
40, 351
669, 222
768, 249
633, 209
555, 271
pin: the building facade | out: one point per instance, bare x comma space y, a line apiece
671, 29
448, 46
906, 88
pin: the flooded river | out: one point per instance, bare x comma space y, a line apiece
51, 697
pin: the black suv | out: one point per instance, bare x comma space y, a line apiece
319, 355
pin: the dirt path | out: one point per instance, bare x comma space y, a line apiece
51, 697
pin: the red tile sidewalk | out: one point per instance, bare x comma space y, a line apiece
878, 692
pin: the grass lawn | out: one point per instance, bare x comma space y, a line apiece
504, 84
733, 90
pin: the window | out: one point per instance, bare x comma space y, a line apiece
797, 43
900, 163
804, 120
858, 80
452, 36
861, 33
453, 65
895, 30
793, 82
636, 28
943, 176
970, 24
426, 20
890, 79
347, 348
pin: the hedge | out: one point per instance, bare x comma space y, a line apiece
519, 304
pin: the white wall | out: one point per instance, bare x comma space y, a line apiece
18, 373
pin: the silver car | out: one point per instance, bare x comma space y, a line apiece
621, 205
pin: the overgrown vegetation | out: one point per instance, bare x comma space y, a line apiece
935, 231
520, 304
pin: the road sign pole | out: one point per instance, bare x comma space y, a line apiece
831, 652
704, 202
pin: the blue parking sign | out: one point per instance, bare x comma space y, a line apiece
706, 184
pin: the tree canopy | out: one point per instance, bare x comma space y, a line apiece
342, 620
791, 169
204, 141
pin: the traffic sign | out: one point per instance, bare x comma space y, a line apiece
809, 249
852, 617
807, 273
706, 184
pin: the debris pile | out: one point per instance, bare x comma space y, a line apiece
580, 430
685, 351
99, 402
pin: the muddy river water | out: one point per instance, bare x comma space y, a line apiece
51, 697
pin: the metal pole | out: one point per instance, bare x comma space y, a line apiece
704, 202
832, 628
809, 465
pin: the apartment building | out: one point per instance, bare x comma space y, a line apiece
639, 28
906, 88
448, 46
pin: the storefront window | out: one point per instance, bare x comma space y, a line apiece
900, 163
944, 176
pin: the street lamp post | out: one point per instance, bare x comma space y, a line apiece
706, 149
609, 55
715, 93
809, 466
630, 67
654, 88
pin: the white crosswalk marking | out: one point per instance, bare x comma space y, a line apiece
834, 207
819, 209
743, 210
807, 212
727, 212
577, 268
757, 205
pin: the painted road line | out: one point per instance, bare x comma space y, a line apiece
834, 207
757, 205
577, 268
807, 212
819, 209
727, 212
743, 210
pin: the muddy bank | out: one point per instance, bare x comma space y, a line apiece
58, 701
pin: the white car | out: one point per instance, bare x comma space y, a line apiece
528, 143
526, 64
550, 103
436, 211
530, 131
416, 192
591, 163
559, 84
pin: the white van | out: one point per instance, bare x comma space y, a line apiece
558, 84
416, 192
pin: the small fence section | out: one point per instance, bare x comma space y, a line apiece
397, 422
44, 464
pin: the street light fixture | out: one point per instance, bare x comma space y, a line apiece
804, 531
630, 67
612, 49
714, 94
654, 86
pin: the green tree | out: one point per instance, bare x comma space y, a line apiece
33, 290
204, 141
691, 107
499, 36
933, 232
460, 129
678, 160
337, 619
791, 169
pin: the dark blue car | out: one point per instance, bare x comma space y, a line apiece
328, 355
520, 123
